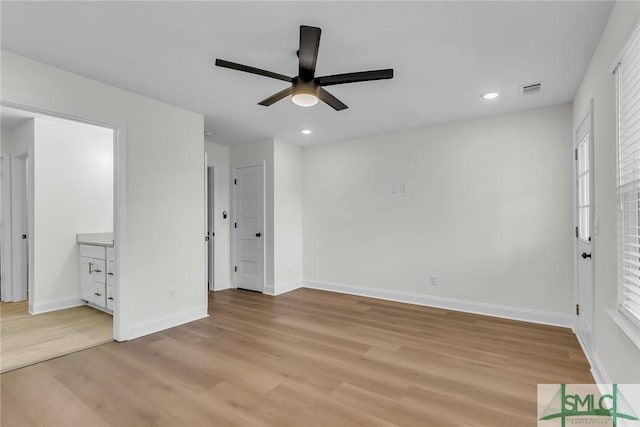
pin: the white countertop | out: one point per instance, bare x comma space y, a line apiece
96, 239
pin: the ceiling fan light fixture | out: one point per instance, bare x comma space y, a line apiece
305, 99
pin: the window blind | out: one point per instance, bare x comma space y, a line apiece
628, 121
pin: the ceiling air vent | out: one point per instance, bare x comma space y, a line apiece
530, 89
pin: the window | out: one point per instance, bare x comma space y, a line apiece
627, 75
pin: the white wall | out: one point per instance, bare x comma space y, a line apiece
252, 154
218, 157
72, 193
488, 210
18, 140
165, 203
287, 216
617, 357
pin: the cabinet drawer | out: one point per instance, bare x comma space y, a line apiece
111, 299
98, 267
92, 251
99, 296
111, 254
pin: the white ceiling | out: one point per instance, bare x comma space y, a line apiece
445, 56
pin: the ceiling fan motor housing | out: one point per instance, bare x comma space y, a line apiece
307, 87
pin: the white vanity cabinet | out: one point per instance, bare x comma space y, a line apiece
97, 276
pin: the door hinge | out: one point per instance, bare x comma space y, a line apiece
577, 231
235, 268
235, 181
575, 154
235, 225
577, 309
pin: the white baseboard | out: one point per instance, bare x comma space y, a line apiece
165, 322
514, 313
269, 290
287, 287
281, 288
598, 371
55, 304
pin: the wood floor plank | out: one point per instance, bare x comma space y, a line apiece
27, 339
305, 358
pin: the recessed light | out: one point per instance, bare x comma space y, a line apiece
491, 95
306, 131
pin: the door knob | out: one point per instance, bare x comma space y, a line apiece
258, 234
585, 255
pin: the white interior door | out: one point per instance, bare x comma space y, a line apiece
19, 228
5, 229
249, 228
211, 234
584, 230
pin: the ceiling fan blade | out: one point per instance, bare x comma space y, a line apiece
276, 97
361, 76
252, 70
308, 52
331, 100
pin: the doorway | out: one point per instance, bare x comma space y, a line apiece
248, 185
583, 153
19, 227
72, 194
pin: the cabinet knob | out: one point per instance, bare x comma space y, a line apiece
97, 270
98, 294
110, 273
111, 298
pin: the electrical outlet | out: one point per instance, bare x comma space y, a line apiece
172, 294
433, 280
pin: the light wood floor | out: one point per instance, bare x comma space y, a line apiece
306, 358
27, 339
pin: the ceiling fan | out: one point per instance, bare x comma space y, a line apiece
306, 89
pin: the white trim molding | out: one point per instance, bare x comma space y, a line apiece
56, 304
628, 327
282, 288
494, 310
158, 324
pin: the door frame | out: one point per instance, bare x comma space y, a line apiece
588, 114
234, 218
6, 292
120, 180
20, 182
210, 221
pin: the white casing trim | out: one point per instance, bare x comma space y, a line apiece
56, 304
158, 324
514, 313
282, 288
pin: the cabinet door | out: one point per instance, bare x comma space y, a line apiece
99, 270
100, 295
87, 287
